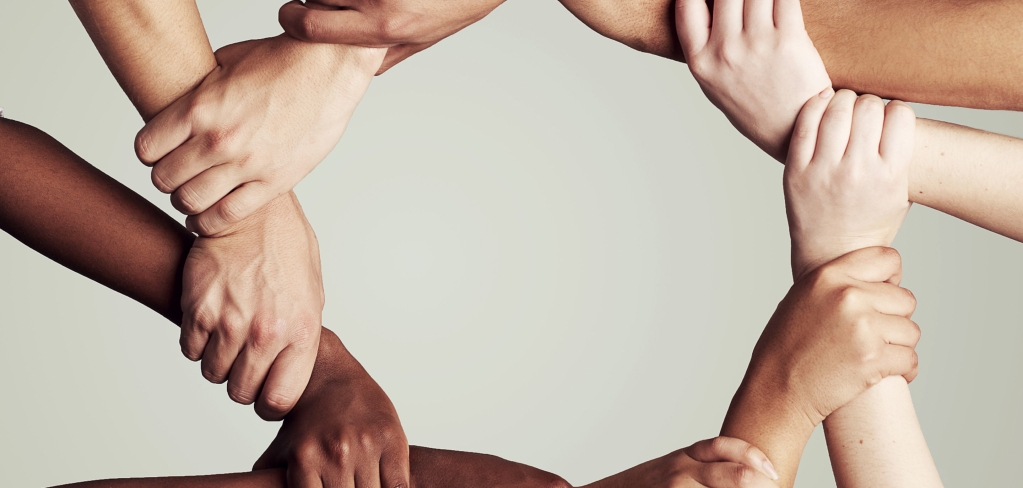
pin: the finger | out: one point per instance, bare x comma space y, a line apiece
394, 468
872, 265
900, 361
758, 15
367, 475
249, 372
692, 20
788, 14
899, 331
727, 20
165, 132
231, 209
891, 299
731, 475
899, 131
867, 123
219, 355
833, 137
286, 380
339, 26
182, 164
730, 449
199, 193
195, 336
804, 134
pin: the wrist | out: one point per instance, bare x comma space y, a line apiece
807, 257
329, 59
333, 363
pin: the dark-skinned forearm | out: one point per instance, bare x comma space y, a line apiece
69, 211
431, 468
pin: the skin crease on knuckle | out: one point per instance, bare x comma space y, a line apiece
187, 200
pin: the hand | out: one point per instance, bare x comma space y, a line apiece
252, 301
404, 26
258, 124
839, 331
755, 62
722, 462
343, 432
847, 176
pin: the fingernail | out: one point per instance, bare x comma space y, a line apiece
769, 468
190, 226
828, 92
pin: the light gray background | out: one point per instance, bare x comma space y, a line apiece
542, 244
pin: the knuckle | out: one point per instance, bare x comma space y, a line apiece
212, 375
187, 200
243, 394
160, 180
744, 476
204, 226
277, 402
144, 147
910, 298
191, 352
340, 449
266, 332
233, 325
306, 28
308, 452
892, 255
220, 140
899, 108
394, 28
368, 441
719, 444
917, 333
230, 210
850, 299
871, 104
202, 318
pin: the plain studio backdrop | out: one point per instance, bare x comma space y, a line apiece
542, 244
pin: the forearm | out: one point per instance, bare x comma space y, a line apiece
970, 174
763, 419
156, 49
69, 211
431, 468
875, 441
944, 52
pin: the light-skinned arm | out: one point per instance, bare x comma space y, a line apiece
943, 52
845, 189
760, 70
846, 186
252, 295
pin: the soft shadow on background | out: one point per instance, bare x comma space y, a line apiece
542, 244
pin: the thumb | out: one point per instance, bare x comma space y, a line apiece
338, 26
